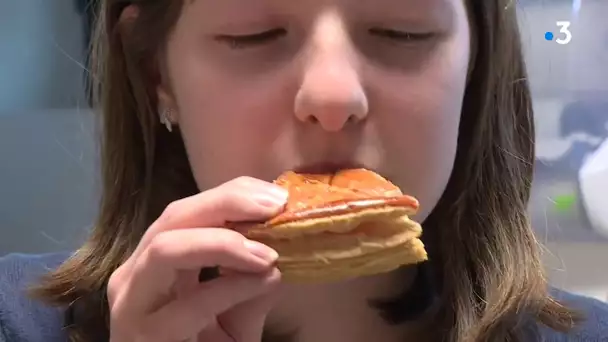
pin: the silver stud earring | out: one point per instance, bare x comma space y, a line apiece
165, 118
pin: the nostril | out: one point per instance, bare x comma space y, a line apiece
351, 119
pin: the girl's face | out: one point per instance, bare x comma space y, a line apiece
263, 86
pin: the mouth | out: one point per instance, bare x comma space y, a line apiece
328, 167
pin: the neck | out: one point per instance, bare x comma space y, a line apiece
342, 311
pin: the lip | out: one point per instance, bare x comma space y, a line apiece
328, 167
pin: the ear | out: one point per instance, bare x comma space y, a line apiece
164, 94
128, 14
166, 100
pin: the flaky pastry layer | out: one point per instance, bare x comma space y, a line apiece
342, 223
373, 247
349, 224
407, 253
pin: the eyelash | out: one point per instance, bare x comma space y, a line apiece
250, 40
399, 36
244, 41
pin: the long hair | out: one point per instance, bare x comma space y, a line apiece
484, 256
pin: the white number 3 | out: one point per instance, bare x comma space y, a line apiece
564, 25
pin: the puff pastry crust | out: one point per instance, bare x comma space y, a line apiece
349, 224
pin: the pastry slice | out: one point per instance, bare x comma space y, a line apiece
349, 224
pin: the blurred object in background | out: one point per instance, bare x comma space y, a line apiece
589, 116
570, 91
593, 178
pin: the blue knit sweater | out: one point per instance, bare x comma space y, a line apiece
25, 320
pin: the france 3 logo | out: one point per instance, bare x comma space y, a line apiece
564, 36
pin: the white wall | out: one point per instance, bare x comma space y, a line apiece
48, 179
41, 44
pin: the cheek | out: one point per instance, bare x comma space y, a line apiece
227, 124
422, 142
418, 123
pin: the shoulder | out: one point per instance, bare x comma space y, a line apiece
22, 318
594, 327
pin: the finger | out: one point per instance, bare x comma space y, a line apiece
188, 315
245, 322
155, 272
215, 333
242, 199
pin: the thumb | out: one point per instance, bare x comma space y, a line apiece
245, 322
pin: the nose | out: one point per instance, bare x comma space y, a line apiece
331, 94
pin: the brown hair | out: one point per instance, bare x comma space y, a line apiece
485, 258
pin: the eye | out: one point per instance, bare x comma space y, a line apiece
400, 35
251, 40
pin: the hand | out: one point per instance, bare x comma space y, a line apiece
156, 296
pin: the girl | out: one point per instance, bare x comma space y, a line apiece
205, 102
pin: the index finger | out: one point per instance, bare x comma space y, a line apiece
242, 199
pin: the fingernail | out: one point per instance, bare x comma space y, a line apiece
274, 196
261, 251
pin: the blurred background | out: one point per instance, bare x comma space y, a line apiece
49, 184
